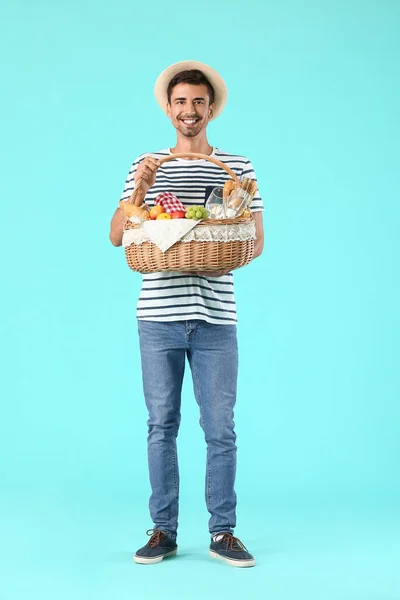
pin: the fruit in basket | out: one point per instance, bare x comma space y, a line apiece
156, 211
196, 212
163, 216
178, 214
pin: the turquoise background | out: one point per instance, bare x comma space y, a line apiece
314, 98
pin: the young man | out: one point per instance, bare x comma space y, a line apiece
189, 315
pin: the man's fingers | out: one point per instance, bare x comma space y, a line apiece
143, 172
152, 163
146, 173
147, 169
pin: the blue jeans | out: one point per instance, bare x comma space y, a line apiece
213, 358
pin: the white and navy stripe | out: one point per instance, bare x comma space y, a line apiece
174, 296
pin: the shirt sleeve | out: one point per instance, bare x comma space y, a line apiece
257, 204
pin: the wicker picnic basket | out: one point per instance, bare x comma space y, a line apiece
210, 255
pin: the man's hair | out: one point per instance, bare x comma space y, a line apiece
194, 77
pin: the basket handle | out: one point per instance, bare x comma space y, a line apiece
217, 162
205, 157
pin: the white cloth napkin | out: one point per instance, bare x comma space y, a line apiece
166, 232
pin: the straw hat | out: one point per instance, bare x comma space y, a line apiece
220, 89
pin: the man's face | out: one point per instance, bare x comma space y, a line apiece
190, 109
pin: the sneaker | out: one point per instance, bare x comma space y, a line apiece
158, 547
231, 550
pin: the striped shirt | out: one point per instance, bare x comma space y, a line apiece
174, 296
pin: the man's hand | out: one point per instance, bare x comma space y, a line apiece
147, 171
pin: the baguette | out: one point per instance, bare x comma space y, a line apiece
229, 186
131, 210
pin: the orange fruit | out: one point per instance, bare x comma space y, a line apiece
163, 216
155, 211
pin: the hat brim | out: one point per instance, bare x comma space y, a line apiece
219, 85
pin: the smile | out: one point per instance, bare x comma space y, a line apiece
189, 122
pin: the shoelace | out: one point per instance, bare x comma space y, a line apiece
233, 543
156, 536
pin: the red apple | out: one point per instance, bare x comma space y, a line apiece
178, 214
